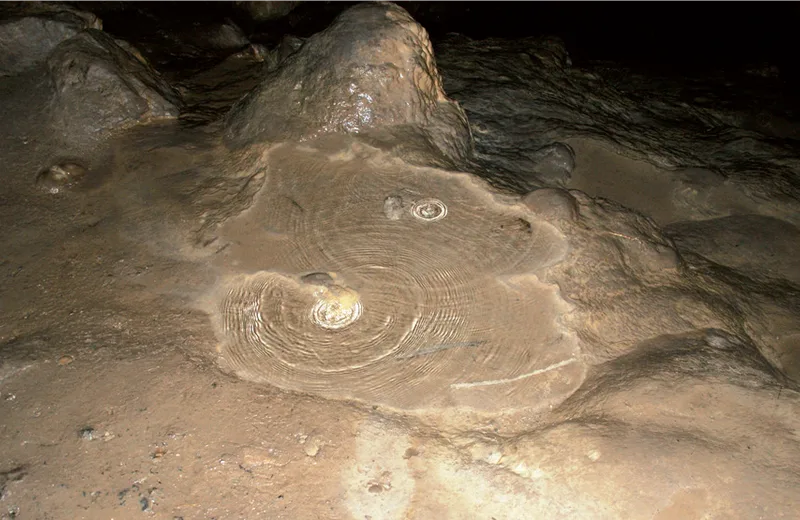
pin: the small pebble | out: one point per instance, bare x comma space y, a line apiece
393, 207
410, 452
88, 433
322, 279
311, 447
158, 453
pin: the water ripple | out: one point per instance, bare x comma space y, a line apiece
405, 308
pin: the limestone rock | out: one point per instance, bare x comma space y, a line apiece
228, 36
517, 102
371, 72
265, 11
288, 46
32, 30
214, 36
699, 427
628, 282
552, 204
102, 86
551, 52
752, 244
276, 56
554, 164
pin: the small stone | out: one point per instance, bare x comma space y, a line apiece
393, 207
257, 51
158, 453
88, 433
321, 279
312, 447
494, 457
410, 452
336, 308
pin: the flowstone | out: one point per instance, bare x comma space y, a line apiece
443, 307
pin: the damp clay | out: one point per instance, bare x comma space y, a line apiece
442, 306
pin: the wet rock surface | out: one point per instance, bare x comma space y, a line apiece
593, 313
759, 246
372, 70
645, 117
431, 284
102, 86
553, 164
30, 31
61, 177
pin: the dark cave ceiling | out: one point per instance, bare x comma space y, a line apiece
675, 34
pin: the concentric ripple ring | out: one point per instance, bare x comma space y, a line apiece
338, 297
336, 307
429, 210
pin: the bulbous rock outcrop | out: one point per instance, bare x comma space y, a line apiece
371, 72
102, 85
31, 30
